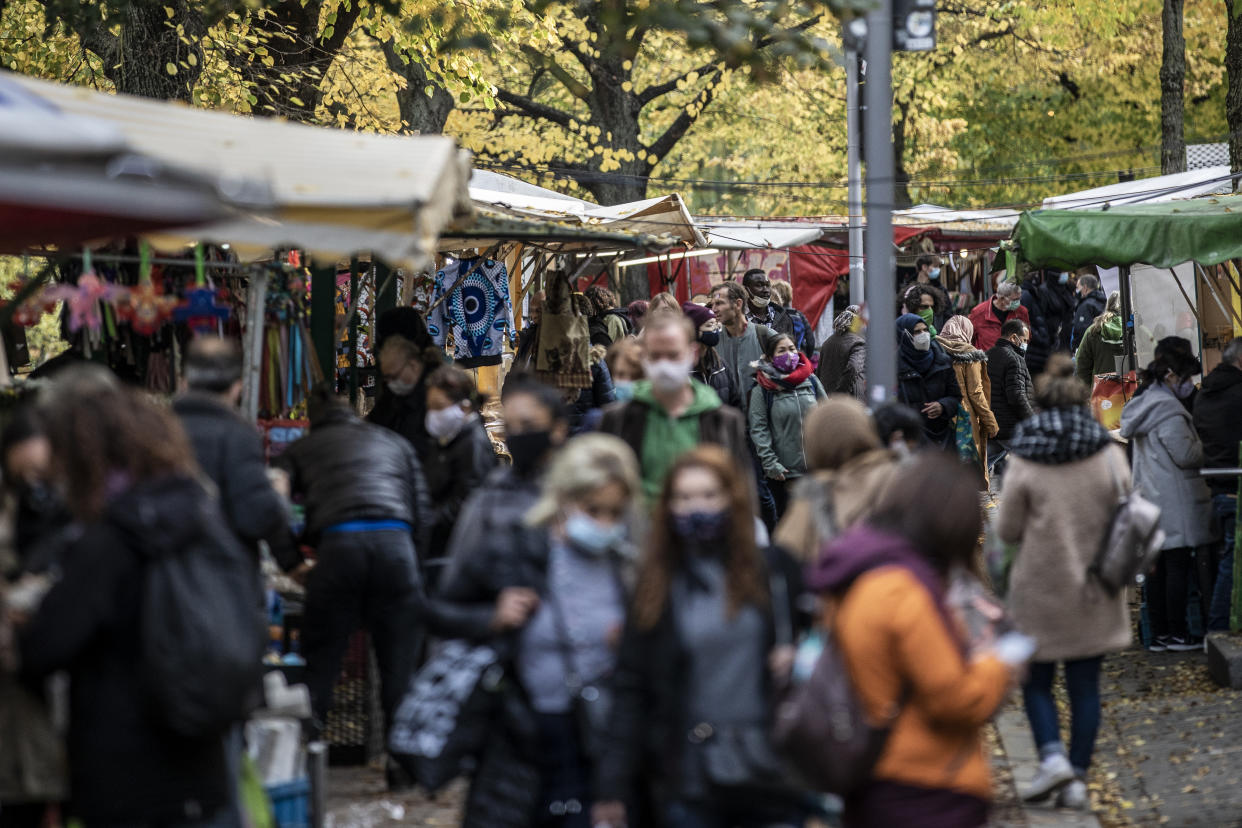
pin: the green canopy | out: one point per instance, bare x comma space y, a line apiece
1203, 230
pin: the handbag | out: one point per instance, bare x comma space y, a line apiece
1109, 395
445, 716
1132, 544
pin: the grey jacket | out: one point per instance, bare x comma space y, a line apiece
1166, 460
739, 353
777, 432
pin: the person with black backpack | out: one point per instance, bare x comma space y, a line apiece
155, 614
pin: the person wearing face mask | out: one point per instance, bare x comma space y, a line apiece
1090, 302
625, 365
925, 379
1012, 389
988, 316
975, 421
552, 601
672, 413
760, 309
1102, 342
709, 368
402, 407
785, 391
1167, 457
700, 657
842, 365
461, 455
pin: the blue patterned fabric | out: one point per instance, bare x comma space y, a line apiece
474, 320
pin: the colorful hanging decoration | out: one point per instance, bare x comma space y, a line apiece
199, 310
83, 299
148, 309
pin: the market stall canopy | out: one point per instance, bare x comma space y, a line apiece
484, 228
1161, 188
66, 180
328, 191
1203, 230
761, 234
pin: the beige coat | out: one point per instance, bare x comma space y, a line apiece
1059, 514
853, 490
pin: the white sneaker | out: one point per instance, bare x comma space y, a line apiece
1054, 773
1074, 795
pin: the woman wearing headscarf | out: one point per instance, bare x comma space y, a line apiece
1101, 344
848, 470
843, 358
925, 379
975, 420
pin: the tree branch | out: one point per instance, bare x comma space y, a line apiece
660, 89
768, 40
677, 130
534, 108
575, 87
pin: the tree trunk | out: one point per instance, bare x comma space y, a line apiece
421, 113
1172, 86
901, 177
137, 57
1233, 96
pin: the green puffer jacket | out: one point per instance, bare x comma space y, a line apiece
777, 432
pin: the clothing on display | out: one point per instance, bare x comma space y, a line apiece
476, 315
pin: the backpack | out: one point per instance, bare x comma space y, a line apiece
1132, 544
202, 630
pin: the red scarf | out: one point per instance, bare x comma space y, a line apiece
791, 380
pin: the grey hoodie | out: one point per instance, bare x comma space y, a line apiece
1167, 459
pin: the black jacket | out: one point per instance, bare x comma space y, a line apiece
346, 470
721, 381
1089, 307
230, 452
1040, 346
1012, 391
842, 365
1059, 304
405, 415
454, 470
649, 725
1218, 419
124, 767
937, 384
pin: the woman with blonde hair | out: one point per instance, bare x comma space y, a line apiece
699, 660
975, 420
663, 302
552, 603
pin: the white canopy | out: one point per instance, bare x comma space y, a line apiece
1207, 181
758, 235
328, 191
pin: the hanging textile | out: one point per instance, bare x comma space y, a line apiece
476, 316
563, 350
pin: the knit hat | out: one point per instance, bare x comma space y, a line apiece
697, 314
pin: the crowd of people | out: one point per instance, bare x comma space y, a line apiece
654, 566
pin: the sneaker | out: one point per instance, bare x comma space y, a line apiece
1054, 773
1182, 643
1159, 644
1074, 795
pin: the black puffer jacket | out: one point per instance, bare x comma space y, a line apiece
454, 470
230, 452
1059, 306
405, 415
937, 384
1040, 346
1012, 390
346, 470
712, 371
1089, 307
125, 769
1218, 419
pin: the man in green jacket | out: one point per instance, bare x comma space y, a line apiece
671, 413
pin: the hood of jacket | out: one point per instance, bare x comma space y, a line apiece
163, 514
1147, 411
863, 549
1059, 435
959, 351
838, 430
1222, 378
705, 397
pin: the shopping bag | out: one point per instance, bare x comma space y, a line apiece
1109, 396
443, 719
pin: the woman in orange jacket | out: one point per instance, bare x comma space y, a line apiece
908, 655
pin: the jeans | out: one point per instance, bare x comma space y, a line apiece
1166, 592
780, 494
767, 504
1226, 509
1082, 680
362, 579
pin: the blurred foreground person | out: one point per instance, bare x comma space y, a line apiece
1060, 493
1167, 457
699, 660
847, 471
906, 654
129, 475
1218, 420
367, 516
552, 600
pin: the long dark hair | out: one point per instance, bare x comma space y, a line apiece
100, 431
1173, 353
665, 554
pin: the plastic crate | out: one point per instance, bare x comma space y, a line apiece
291, 803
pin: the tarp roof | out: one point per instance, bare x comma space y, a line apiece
1203, 230
752, 235
328, 191
1160, 188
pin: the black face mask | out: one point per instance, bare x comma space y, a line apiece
528, 449
710, 338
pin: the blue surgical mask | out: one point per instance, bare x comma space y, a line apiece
591, 536
624, 390
1063, 279
934, 273
1184, 389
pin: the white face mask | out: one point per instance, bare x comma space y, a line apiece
760, 303
922, 341
446, 423
400, 388
667, 375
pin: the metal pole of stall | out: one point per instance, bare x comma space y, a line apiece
853, 163
256, 321
1127, 316
878, 98
323, 318
317, 770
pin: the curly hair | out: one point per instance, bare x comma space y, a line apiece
601, 298
664, 553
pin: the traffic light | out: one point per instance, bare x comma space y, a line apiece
914, 25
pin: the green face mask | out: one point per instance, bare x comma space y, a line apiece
927, 315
